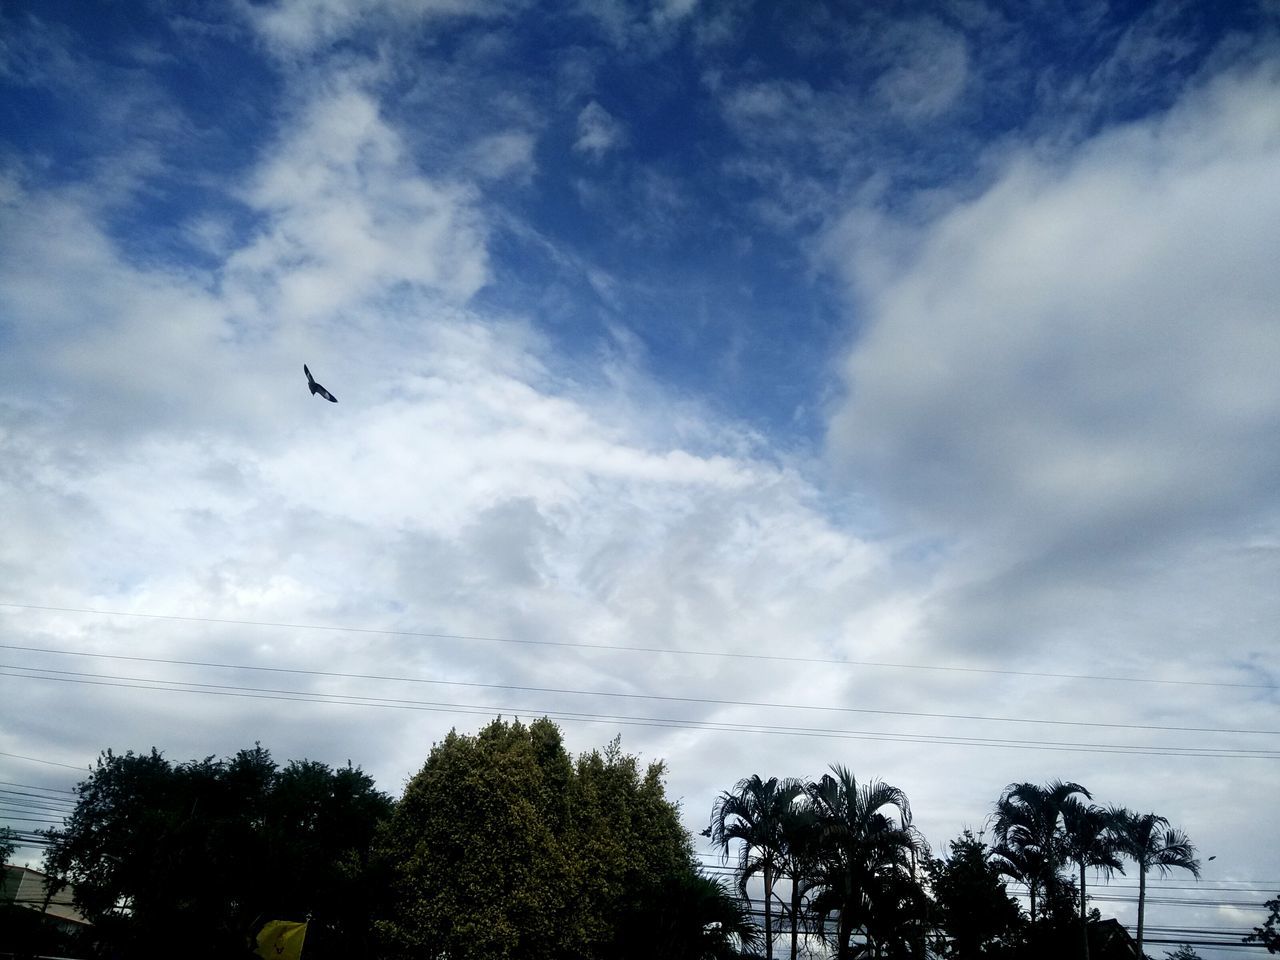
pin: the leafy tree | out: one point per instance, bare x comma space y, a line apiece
1269, 933
502, 847
868, 849
1149, 841
755, 816
1184, 952
7, 845
633, 856
974, 909
197, 854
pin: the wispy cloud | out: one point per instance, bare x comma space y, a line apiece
599, 132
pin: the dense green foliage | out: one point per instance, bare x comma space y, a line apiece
198, 854
504, 848
973, 908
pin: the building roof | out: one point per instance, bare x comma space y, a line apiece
25, 887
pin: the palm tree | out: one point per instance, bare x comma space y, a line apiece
696, 918
1149, 841
753, 814
1028, 826
800, 840
867, 855
1022, 865
1090, 839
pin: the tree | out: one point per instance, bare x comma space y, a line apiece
755, 814
1024, 865
1269, 933
502, 847
1184, 952
974, 909
1149, 841
1089, 839
801, 849
691, 918
1027, 829
868, 850
7, 845
156, 851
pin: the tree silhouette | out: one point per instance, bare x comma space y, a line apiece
754, 815
1269, 933
1149, 841
1027, 828
868, 850
1089, 839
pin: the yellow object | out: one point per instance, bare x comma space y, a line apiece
281, 940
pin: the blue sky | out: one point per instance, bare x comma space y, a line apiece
931, 334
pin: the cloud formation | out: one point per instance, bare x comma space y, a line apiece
941, 343
598, 132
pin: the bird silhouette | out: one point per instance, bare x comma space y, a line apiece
316, 388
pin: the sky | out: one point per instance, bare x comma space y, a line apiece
892, 385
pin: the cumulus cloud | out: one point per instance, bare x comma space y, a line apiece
1089, 344
1069, 382
346, 212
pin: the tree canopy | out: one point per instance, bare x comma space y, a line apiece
502, 847
201, 853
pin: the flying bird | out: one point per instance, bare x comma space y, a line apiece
316, 388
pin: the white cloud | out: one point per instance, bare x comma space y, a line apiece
598, 132
347, 214
1086, 352
294, 27
505, 155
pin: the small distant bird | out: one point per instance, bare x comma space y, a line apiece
316, 388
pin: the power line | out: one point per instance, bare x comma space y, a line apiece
189, 687
11, 796
629, 648
619, 695
34, 786
52, 763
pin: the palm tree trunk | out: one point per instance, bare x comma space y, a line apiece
768, 913
1084, 925
795, 915
1142, 901
1031, 891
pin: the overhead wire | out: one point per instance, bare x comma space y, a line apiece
681, 651
52, 763
188, 687
711, 701
35, 786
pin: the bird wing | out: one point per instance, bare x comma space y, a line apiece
325, 393
310, 379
